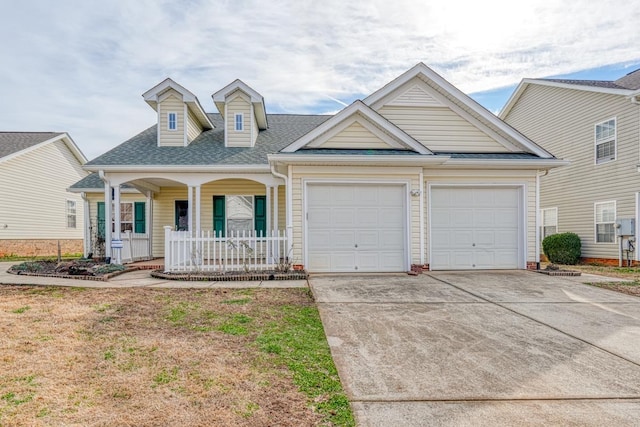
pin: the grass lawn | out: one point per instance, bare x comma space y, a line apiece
151, 357
632, 274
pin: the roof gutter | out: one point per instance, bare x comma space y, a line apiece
179, 168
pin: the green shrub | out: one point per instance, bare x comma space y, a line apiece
562, 248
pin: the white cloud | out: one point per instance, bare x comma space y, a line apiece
81, 66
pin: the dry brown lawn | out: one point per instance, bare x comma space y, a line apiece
145, 357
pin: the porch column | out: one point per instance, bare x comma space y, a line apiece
268, 207
87, 225
116, 222
198, 204
275, 207
107, 219
190, 210
148, 220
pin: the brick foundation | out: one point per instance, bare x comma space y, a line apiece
40, 247
607, 261
532, 265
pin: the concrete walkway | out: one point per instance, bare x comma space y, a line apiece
483, 348
137, 279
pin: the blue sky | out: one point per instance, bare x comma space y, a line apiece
81, 65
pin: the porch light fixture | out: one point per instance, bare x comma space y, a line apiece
415, 193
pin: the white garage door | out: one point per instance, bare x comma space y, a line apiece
356, 228
475, 228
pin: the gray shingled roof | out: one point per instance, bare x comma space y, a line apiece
93, 181
491, 156
208, 148
629, 82
364, 152
592, 83
12, 142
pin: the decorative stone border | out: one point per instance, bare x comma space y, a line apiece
559, 272
235, 277
103, 278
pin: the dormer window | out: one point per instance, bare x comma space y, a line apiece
239, 122
172, 120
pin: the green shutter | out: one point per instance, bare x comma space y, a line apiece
260, 214
100, 220
139, 217
218, 215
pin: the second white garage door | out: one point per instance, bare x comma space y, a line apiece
476, 228
356, 228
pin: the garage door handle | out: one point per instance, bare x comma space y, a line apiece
473, 244
356, 245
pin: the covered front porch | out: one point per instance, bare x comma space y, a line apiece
202, 221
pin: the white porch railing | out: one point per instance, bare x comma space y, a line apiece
242, 251
135, 246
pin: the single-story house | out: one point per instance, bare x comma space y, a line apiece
36, 212
416, 175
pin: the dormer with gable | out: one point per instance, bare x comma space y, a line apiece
181, 118
244, 114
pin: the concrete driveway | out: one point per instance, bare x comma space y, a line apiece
483, 348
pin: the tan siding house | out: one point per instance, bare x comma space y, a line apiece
416, 175
37, 212
596, 126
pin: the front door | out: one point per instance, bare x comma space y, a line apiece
182, 215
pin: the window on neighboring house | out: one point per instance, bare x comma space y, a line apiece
71, 214
606, 141
605, 213
235, 214
549, 222
239, 122
172, 120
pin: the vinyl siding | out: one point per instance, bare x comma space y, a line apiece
239, 104
362, 175
440, 129
415, 96
193, 127
480, 177
171, 138
164, 205
355, 136
33, 194
562, 121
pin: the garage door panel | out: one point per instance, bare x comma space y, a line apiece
475, 228
341, 239
367, 217
365, 229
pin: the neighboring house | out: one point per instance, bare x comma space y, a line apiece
415, 175
596, 126
36, 211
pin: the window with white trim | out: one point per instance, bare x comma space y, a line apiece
605, 218
605, 138
71, 214
549, 222
126, 217
172, 121
239, 120
239, 213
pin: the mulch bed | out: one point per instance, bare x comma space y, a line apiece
79, 270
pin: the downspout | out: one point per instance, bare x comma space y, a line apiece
422, 237
289, 204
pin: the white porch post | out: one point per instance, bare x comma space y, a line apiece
87, 224
198, 203
107, 219
275, 208
190, 209
148, 220
116, 221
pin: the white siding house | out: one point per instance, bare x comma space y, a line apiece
596, 126
37, 213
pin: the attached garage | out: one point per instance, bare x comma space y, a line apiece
356, 227
476, 228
